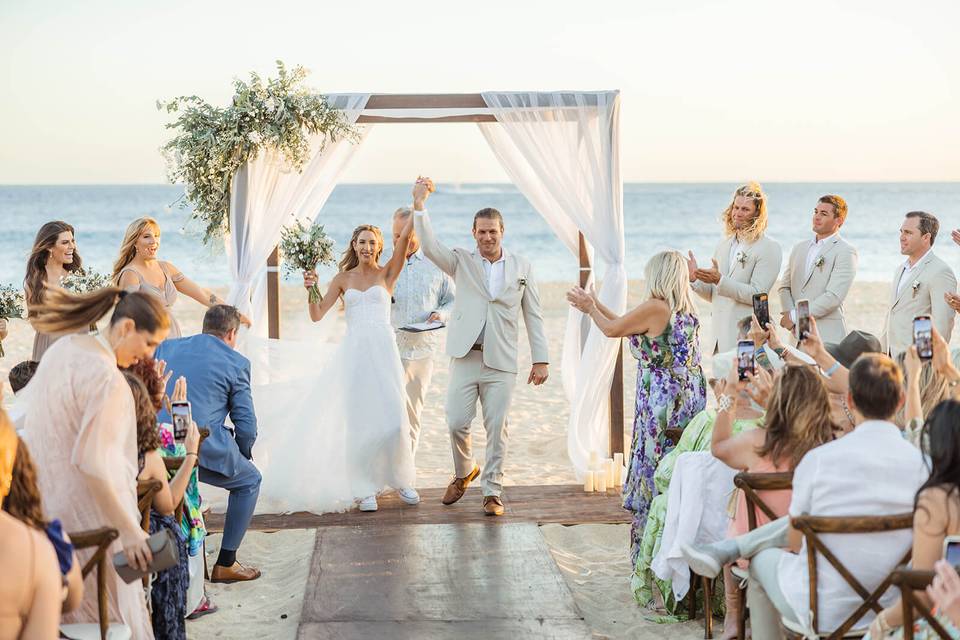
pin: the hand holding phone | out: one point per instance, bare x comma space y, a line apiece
182, 418
803, 319
745, 360
761, 309
923, 336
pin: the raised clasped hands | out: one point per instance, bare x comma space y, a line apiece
422, 189
580, 299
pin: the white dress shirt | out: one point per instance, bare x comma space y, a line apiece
871, 471
816, 246
908, 269
734, 248
494, 271
421, 290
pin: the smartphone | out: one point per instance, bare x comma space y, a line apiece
745, 351
803, 319
181, 419
923, 337
951, 550
761, 309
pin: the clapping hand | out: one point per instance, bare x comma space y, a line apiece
581, 300
692, 267
711, 275
952, 299
955, 234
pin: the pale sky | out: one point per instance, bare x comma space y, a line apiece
711, 91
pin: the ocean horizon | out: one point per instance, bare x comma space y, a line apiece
657, 216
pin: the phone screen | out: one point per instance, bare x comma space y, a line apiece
923, 336
952, 553
761, 309
745, 351
803, 318
181, 419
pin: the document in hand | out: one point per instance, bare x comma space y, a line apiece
418, 327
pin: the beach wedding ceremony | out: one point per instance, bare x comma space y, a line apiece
428, 321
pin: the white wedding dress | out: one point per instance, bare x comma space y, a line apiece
343, 434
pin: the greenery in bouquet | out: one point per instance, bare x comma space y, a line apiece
84, 280
304, 246
213, 142
11, 305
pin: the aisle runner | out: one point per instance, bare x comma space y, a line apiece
433, 581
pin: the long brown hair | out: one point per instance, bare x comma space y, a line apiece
24, 502
350, 258
63, 312
148, 436
146, 370
934, 388
798, 416
35, 279
128, 248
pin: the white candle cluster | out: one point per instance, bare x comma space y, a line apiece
603, 475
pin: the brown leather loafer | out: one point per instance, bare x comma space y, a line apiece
458, 487
236, 573
492, 505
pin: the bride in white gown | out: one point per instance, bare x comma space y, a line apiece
347, 437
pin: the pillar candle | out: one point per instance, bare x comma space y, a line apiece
611, 472
594, 457
618, 469
588, 481
601, 481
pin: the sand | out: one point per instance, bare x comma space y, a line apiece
593, 557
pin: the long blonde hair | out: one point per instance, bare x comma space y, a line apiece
128, 248
350, 258
668, 279
754, 191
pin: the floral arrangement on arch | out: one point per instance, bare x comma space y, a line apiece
213, 142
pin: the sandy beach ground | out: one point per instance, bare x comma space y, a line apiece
592, 557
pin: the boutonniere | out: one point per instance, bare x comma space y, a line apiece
819, 262
522, 282
915, 286
741, 257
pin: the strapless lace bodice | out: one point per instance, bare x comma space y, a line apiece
367, 308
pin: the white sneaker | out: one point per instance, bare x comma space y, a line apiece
409, 495
369, 504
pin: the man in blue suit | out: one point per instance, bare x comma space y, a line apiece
218, 385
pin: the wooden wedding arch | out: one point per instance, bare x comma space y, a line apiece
467, 101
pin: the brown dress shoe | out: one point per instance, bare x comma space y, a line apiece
236, 573
492, 505
458, 487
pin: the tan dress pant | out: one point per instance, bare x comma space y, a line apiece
416, 379
471, 380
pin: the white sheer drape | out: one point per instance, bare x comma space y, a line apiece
266, 195
562, 150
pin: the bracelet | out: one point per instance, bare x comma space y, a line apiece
725, 403
832, 369
191, 453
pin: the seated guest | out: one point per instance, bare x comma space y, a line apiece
871, 471
31, 590
168, 591
937, 513
696, 437
151, 372
82, 430
24, 503
797, 420
219, 385
19, 377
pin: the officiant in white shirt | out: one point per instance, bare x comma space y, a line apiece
423, 294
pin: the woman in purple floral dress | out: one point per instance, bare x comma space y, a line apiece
664, 335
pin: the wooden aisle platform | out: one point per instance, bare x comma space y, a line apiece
436, 581
540, 504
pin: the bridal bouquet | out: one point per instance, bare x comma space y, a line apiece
11, 305
303, 248
84, 281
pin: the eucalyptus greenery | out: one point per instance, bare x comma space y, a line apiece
213, 142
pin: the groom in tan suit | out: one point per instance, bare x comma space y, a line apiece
493, 288
821, 270
923, 285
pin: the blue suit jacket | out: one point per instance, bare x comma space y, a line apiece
218, 384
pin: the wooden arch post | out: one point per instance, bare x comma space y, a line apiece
397, 101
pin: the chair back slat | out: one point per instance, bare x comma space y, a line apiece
100, 538
751, 483
908, 581
813, 526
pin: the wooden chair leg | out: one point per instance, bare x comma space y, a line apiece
707, 608
203, 550
742, 614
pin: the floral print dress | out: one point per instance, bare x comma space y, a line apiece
671, 390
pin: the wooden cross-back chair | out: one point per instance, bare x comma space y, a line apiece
812, 527
750, 484
100, 539
910, 581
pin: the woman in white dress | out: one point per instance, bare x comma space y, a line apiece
357, 444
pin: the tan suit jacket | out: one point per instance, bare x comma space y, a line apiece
474, 309
825, 286
732, 297
922, 294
